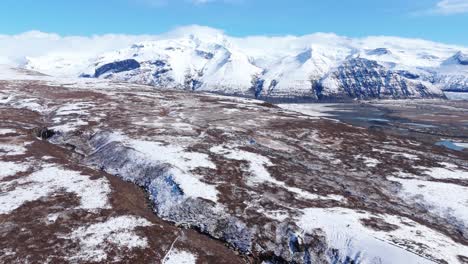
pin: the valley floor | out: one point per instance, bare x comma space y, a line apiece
109, 172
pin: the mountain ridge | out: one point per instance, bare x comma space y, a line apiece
314, 66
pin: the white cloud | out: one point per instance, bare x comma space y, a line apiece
450, 7
69, 50
15, 48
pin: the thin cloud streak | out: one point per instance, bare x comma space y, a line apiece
446, 8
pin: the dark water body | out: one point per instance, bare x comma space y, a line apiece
362, 115
381, 119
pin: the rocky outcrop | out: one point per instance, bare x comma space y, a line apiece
454, 83
116, 67
354, 78
362, 78
43, 133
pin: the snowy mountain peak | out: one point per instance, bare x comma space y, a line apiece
198, 34
459, 58
379, 52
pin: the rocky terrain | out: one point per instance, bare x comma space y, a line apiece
99, 171
311, 67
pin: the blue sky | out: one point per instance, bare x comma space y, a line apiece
438, 20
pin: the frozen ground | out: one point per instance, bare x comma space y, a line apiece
130, 174
117, 231
313, 110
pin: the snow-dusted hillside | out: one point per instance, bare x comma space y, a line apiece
312, 66
95, 171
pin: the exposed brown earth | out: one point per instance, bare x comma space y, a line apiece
28, 237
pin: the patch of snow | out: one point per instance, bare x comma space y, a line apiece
69, 125
314, 110
74, 108
51, 179
9, 73
444, 199
370, 162
51, 218
456, 95
448, 165
183, 162
257, 163
410, 243
450, 172
11, 168
278, 215
6, 252
182, 126
30, 104
5, 131
172, 154
259, 174
12, 149
409, 156
180, 257
193, 187
394, 153
461, 144
118, 232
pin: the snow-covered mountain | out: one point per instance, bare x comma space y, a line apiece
316, 66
